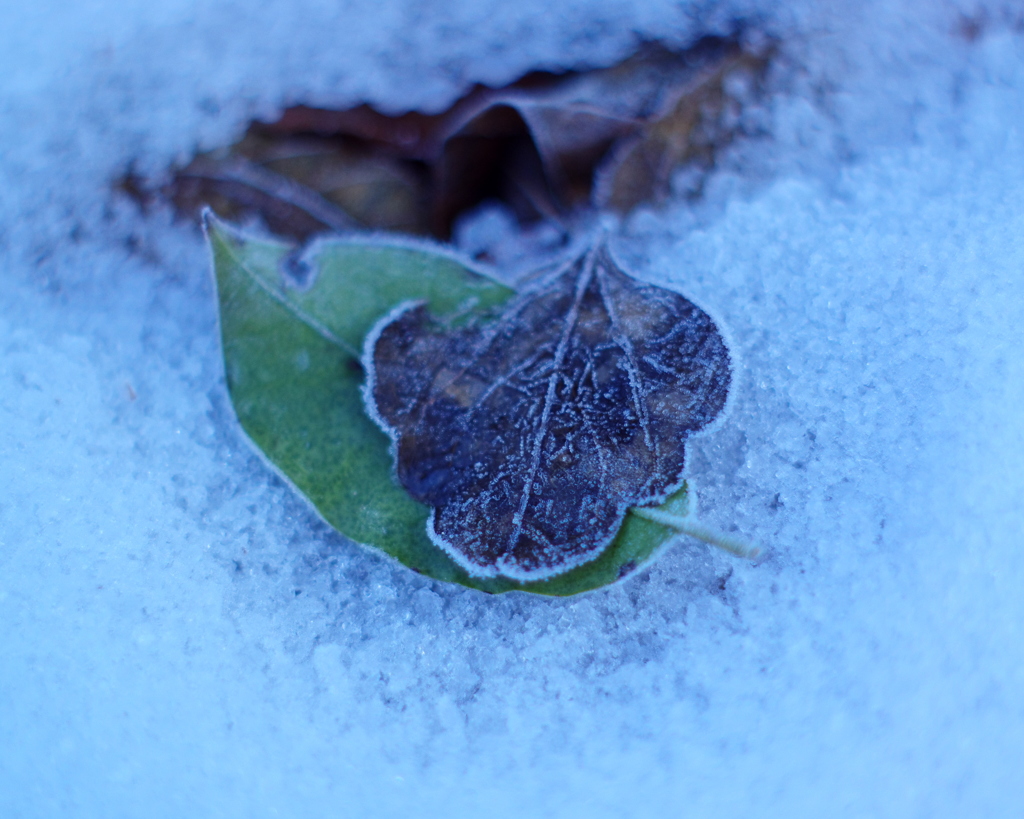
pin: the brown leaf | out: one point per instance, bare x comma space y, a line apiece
531, 435
235, 185
688, 127
537, 145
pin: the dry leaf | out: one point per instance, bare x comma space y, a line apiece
547, 146
531, 435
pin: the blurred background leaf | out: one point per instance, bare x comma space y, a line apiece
547, 146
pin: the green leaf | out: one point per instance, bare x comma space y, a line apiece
291, 359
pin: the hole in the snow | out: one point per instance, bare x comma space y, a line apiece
545, 147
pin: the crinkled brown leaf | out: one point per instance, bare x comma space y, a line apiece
531, 435
688, 126
546, 145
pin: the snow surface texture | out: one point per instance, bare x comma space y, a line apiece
182, 636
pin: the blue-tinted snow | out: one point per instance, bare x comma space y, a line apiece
182, 636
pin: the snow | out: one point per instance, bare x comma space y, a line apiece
182, 635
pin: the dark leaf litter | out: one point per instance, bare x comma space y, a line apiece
547, 146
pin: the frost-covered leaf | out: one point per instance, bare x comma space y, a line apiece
530, 436
292, 362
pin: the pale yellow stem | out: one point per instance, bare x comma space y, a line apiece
694, 529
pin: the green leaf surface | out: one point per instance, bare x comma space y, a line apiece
291, 359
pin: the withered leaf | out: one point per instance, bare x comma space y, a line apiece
547, 146
530, 435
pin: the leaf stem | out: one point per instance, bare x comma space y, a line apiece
695, 529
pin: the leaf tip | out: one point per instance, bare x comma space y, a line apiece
213, 226
207, 219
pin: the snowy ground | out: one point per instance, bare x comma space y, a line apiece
183, 637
